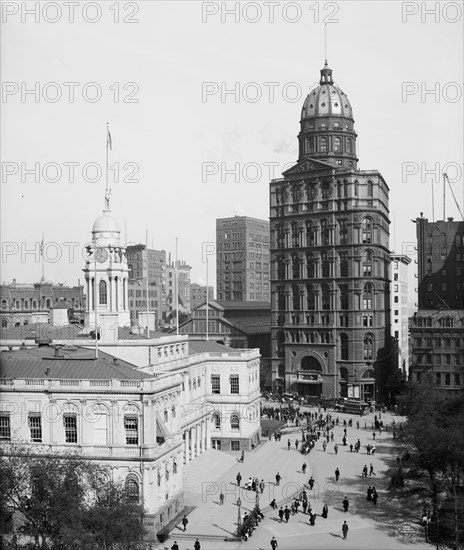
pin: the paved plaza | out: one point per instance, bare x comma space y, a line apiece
370, 526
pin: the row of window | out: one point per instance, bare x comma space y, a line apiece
437, 342
441, 379
34, 304
313, 191
233, 381
234, 422
437, 359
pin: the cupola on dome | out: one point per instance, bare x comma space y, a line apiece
327, 99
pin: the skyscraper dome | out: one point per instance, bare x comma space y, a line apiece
327, 125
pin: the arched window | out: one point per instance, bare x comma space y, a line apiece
343, 297
325, 264
132, 489
344, 374
310, 297
310, 266
367, 263
103, 292
366, 229
344, 349
337, 144
310, 240
281, 299
234, 422
325, 232
295, 235
349, 146
323, 145
174, 466
367, 296
281, 268
295, 266
166, 472
166, 416
368, 347
18, 304
295, 297
4, 304
368, 374
325, 296
4, 323
26, 304
216, 421
310, 363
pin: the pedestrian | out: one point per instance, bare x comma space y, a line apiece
357, 425
372, 449
175, 546
184, 522
286, 514
325, 511
197, 545
351, 447
242, 458
297, 505
278, 477
296, 444
337, 474
371, 470
312, 518
303, 468
273, 504
336, 449
274, 543
289, 444
221, 499
345, 505
305, 506
281, 514
345, 530
331, 436
324, 445
368, 449
239, 479
369, 494
375, 496
311, 482
373, 435
261, 486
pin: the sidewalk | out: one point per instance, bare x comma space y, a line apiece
370, 526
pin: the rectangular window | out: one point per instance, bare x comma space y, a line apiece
70, 428
5, 428
215, 383
447, 379
438, 378
131, 425
235, 445
234, 384
35, 427
457, 379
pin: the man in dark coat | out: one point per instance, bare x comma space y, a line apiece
345, 504
345, 530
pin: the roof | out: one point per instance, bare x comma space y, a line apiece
245, 305
252, 325
207, 346
61, 304
74, 364
211, 304
42, 331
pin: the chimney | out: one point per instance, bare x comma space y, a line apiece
115, 361
57, 352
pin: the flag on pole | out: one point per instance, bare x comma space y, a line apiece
109, 141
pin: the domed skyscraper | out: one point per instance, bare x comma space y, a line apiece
106, 265
330, 258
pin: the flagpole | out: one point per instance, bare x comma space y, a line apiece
42, 254
95, 298
146, 248
207, 299
107, 145
177, 294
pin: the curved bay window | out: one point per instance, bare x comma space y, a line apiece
337, 145
349, 145
102, 291
366, 228
368, 347
323, 145
368, 293
367, 263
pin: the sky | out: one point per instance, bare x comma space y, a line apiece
203, 101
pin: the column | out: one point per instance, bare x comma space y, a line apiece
192, 443
208, 433
110, 293
198, 434
186, 447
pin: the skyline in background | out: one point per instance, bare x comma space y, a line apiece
189, 150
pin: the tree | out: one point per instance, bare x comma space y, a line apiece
433, 442
65, 502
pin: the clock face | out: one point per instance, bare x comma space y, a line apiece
101, 255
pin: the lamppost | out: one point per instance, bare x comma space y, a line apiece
257, 498
239, 517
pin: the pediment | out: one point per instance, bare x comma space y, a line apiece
309, 165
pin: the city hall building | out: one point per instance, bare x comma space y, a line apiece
329, 226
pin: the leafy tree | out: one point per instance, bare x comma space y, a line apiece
67, 503
433, 443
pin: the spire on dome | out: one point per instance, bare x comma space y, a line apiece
107, 200
326, 75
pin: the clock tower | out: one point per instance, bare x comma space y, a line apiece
106, 278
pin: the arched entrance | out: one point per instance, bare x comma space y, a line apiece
368, 385
309, 379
